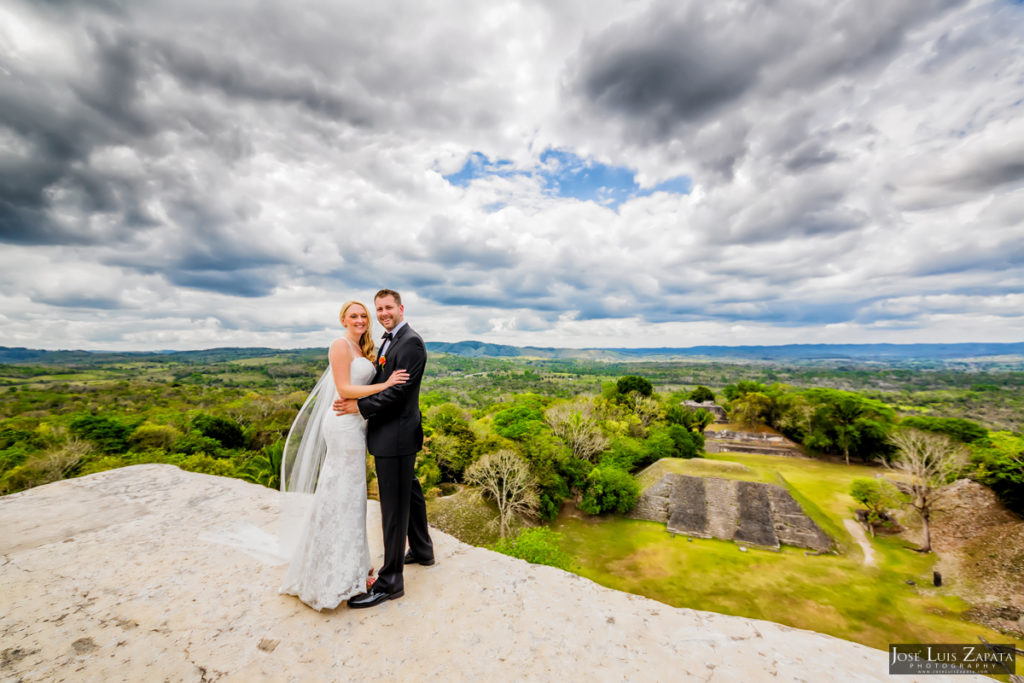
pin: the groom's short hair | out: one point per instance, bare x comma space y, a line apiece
388, 292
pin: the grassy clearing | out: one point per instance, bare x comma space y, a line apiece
833, 594
697, 467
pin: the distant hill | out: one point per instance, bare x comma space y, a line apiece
863, 352
18, 355
479, 349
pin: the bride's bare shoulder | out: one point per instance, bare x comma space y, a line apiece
340, 348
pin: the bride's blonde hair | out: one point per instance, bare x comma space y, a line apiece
366, 339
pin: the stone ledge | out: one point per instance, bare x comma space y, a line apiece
127, 591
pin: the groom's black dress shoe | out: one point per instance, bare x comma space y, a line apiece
412, 559
373, 597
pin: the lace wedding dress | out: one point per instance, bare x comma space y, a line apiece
332, 556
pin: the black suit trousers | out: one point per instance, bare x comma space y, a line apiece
403, 515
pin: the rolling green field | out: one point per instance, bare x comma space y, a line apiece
832, 594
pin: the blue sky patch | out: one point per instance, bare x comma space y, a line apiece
479, 166
564, 174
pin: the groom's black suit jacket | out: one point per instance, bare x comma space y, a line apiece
394, 425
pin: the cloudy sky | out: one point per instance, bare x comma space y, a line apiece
192, 174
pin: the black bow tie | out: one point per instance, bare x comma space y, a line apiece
387, 336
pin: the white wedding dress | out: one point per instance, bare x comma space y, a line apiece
332, 555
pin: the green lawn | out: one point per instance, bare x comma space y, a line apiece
833, 594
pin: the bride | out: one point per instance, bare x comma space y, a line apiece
324, 475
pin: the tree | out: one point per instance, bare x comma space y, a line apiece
609, 489
452, 441
647, 409
878, 496
701, 419
701, 394
633, 383
744, 386
836, 421
958, 428
697, 420
575, 424
999, 464
518, 422
505, 478
929, 461
750, 409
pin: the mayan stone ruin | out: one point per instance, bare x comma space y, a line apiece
751, 513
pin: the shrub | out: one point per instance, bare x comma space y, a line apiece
538, 545
107, 462
15, 455
11, 436
225, 431
154, 436
200, 462
877, 495
427, 471
109, 434
626, 453
194, 442
609, 489
670, 441
263, 468
552, 491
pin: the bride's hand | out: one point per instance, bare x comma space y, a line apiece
397, 377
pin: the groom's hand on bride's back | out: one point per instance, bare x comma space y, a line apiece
346, 406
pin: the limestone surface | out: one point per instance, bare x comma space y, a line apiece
132, 575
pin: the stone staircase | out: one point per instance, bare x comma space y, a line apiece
751, 513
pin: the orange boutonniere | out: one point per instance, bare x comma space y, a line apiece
382, 360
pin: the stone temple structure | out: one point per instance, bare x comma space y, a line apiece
753, 513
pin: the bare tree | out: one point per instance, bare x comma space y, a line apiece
505, 478
930, 461
576, 425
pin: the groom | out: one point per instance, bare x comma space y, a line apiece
394, 434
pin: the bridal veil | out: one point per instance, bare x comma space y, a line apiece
304, 452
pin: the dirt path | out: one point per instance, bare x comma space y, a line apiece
857, 531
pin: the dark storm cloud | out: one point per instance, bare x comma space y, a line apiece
244, 282
808, 156
236, 79
667, 68
78, 301
992, 174
60, 124
678, 64
971, 257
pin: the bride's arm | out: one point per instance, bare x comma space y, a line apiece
341, 361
